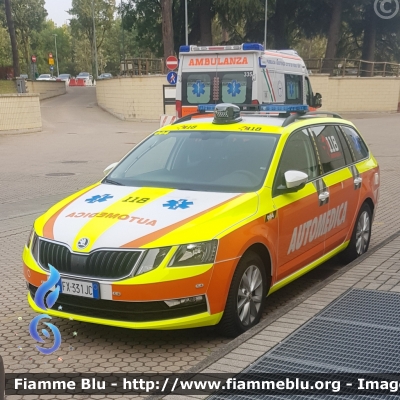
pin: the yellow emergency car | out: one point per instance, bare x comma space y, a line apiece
206, 217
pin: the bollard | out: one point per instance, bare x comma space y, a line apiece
2, 380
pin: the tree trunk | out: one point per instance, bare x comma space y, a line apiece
167, 27
369, 43
333, 37
13, 38
281, 41
205, 23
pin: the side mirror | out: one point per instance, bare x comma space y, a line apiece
317, 100
109, 168
295, 179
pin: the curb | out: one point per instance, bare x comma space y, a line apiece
226, 349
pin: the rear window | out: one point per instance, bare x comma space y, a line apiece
198, 88
217, 87
357, 145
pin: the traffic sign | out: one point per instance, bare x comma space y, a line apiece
172, 63
51, 68
33, 59
172, 78
50, 55
51, 61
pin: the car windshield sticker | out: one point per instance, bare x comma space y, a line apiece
234, 88
198, 88
99, 199
175, 204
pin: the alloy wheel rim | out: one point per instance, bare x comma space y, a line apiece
363, 232
249, 295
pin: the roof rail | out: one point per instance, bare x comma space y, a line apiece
295, 117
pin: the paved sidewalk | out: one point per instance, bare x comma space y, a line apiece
376, 270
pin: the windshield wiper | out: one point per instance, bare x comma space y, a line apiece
113, 182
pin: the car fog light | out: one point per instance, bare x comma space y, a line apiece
185, 301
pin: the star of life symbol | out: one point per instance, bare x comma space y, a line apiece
198, 88
99, 199
175, 204
234, 88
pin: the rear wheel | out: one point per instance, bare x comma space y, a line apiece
246, 298
361, 235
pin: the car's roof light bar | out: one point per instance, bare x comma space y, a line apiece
244, 47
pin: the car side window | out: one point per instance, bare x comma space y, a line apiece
298, 155
357, 145
329, 147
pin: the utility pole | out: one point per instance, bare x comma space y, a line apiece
55, 40
266, 23
95, 45
123, 33
186, 23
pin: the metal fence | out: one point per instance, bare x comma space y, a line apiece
142, 66
349, 67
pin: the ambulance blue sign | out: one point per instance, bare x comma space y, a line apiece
172, 78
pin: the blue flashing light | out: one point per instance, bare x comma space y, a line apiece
184, 49
284, 108
206, 108
253, 46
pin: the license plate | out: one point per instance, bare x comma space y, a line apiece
80, 288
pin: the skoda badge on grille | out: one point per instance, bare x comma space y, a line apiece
83, 243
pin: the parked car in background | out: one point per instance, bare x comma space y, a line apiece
64, 78
45, 77
25, 76
86, 77
105, 76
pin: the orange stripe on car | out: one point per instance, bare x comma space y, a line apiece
48, 231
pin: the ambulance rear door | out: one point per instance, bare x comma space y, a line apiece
212, 78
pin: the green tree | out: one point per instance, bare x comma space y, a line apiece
82, 20
29, 17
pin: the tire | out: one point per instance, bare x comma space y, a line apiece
243, 308
360, 237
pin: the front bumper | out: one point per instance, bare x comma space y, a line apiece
123, 303
194, 321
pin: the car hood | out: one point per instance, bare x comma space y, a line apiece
107, 216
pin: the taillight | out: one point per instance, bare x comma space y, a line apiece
178, 108
255, 102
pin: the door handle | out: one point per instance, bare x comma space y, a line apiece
358, 181
324, 196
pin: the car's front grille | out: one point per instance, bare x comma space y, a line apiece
102, 264
124, 311
56, 255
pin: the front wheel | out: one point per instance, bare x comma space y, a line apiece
361, 235
246, 298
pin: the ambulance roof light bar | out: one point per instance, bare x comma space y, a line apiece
244, 46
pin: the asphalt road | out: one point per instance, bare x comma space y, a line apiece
78, 141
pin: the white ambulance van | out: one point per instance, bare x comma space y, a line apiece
243, 75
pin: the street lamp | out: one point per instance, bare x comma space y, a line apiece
266, 24
186, 23
55, 40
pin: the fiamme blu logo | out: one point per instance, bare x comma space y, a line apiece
45, 303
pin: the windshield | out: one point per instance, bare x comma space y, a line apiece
44, 76
201, 161
84, 74
64, 76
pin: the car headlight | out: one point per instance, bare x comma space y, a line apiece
152, 260
195, 254
31, 233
